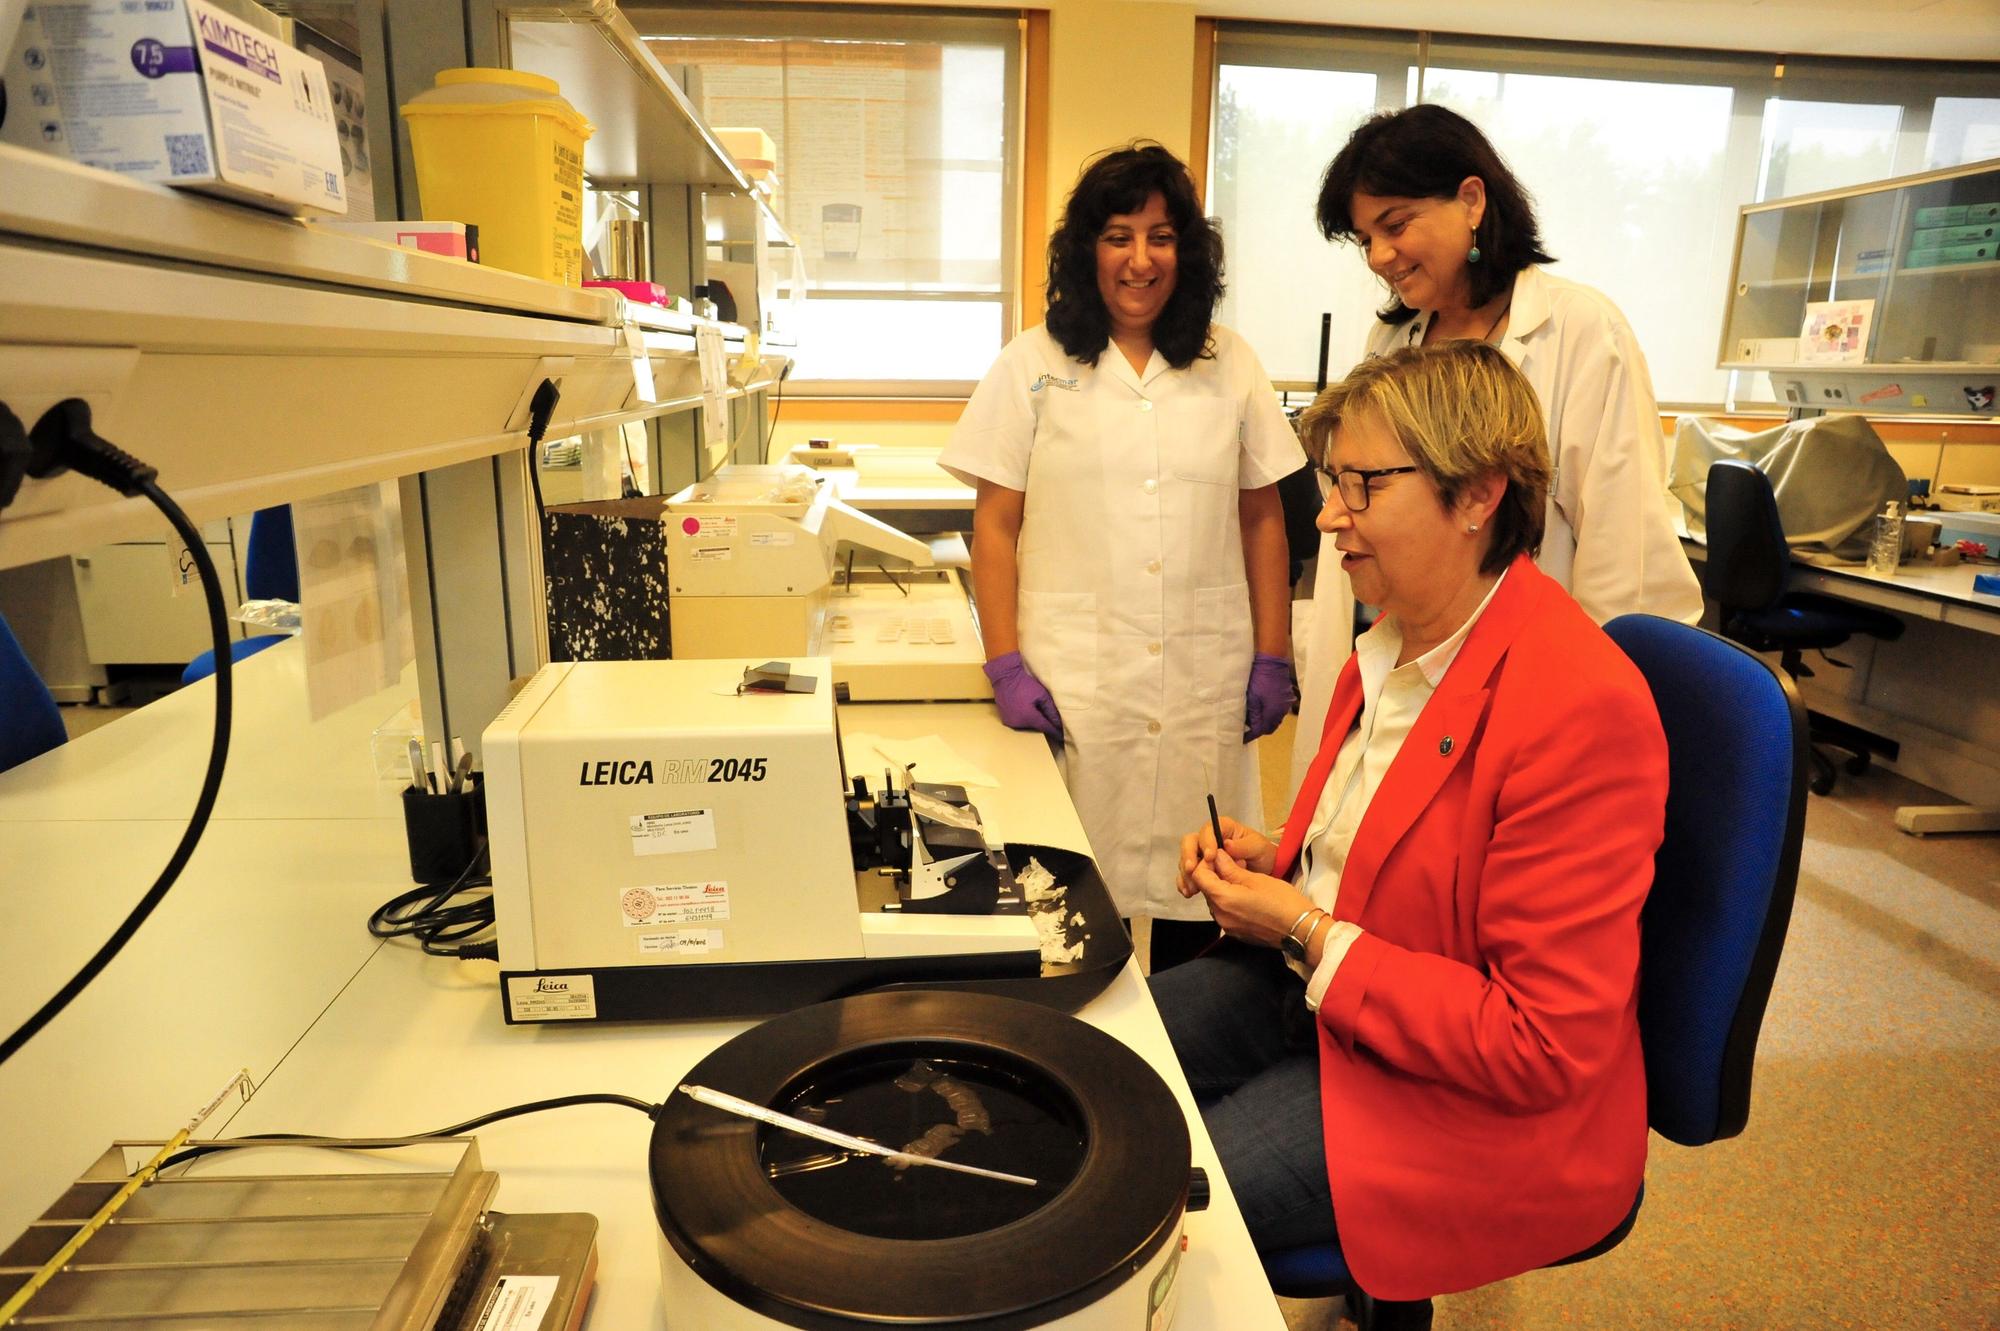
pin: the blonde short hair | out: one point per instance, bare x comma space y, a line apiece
1462, 411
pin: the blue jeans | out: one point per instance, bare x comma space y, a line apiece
1239, 1025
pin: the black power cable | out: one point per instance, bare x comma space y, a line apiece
541, 409
63, 440
200, 1149
442, 927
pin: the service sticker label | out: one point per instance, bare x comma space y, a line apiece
710, 554
517, 1303
552, 997
674, 903
772, 538
681, 942
673, 832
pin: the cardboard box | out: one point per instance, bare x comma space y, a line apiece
1967, 499
33, 114
182, 92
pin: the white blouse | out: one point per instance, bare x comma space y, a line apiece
1392, 698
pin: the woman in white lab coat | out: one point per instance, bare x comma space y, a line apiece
1452, 234
1128, 551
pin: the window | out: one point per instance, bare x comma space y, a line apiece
1638, 160
896, 166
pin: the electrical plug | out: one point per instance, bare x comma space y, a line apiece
63, 440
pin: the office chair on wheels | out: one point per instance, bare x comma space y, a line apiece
270, 573
30, 724
1714, 923
1748, 566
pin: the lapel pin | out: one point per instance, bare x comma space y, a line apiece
1444, 747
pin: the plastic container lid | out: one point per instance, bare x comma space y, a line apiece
513, 92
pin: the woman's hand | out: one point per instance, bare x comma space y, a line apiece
1023, 700
1250, 906
1245, 844
1272, 696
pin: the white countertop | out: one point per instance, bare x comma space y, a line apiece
259, 958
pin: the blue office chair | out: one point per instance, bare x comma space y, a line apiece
1748, 567
1714, 922
30, 723
270, 573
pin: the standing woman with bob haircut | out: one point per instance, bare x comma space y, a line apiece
1444, 223
1128, 554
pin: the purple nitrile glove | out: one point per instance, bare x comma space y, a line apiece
1270, 697
1023, 700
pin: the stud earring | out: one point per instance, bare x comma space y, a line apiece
1472, 526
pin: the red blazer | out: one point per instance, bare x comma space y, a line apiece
1481, 1083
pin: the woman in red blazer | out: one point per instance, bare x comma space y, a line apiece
1421, 1036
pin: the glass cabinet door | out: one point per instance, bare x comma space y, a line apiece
1924, 254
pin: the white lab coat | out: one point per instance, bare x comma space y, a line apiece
1610, 538
1133, 605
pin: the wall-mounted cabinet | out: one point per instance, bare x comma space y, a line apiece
1882, 298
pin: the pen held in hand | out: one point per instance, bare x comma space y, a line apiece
1215, 822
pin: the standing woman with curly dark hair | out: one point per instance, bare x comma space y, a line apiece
1128, 552
1452, 234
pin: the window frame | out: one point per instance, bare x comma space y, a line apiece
1755, 79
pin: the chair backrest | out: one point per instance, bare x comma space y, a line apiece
1748, 560
1715, 921
270, 560
30, 723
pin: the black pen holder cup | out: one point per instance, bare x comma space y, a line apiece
446, 832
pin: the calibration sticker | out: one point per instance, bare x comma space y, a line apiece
517, 1303
552, 997
674, 903
680, 942
671, 833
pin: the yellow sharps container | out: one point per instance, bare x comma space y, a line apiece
500, 149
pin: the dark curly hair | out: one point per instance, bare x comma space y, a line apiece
1119, 181
1426, 152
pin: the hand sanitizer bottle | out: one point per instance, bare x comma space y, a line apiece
1886, 550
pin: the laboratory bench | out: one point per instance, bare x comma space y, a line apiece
259, 960
1929, 690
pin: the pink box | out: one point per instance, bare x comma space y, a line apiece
646, 293
453, 240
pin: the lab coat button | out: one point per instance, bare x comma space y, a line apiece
1152, 566
1150, 486
1144, 405
1153, 649
1152, 727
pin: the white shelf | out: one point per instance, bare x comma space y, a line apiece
245, 391
1978, 268
52, 199
1890, 368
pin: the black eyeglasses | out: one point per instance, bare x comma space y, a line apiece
1353, 483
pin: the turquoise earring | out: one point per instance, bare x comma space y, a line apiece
1472, 255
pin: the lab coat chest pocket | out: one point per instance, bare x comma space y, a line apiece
1058, 632
1198, 439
